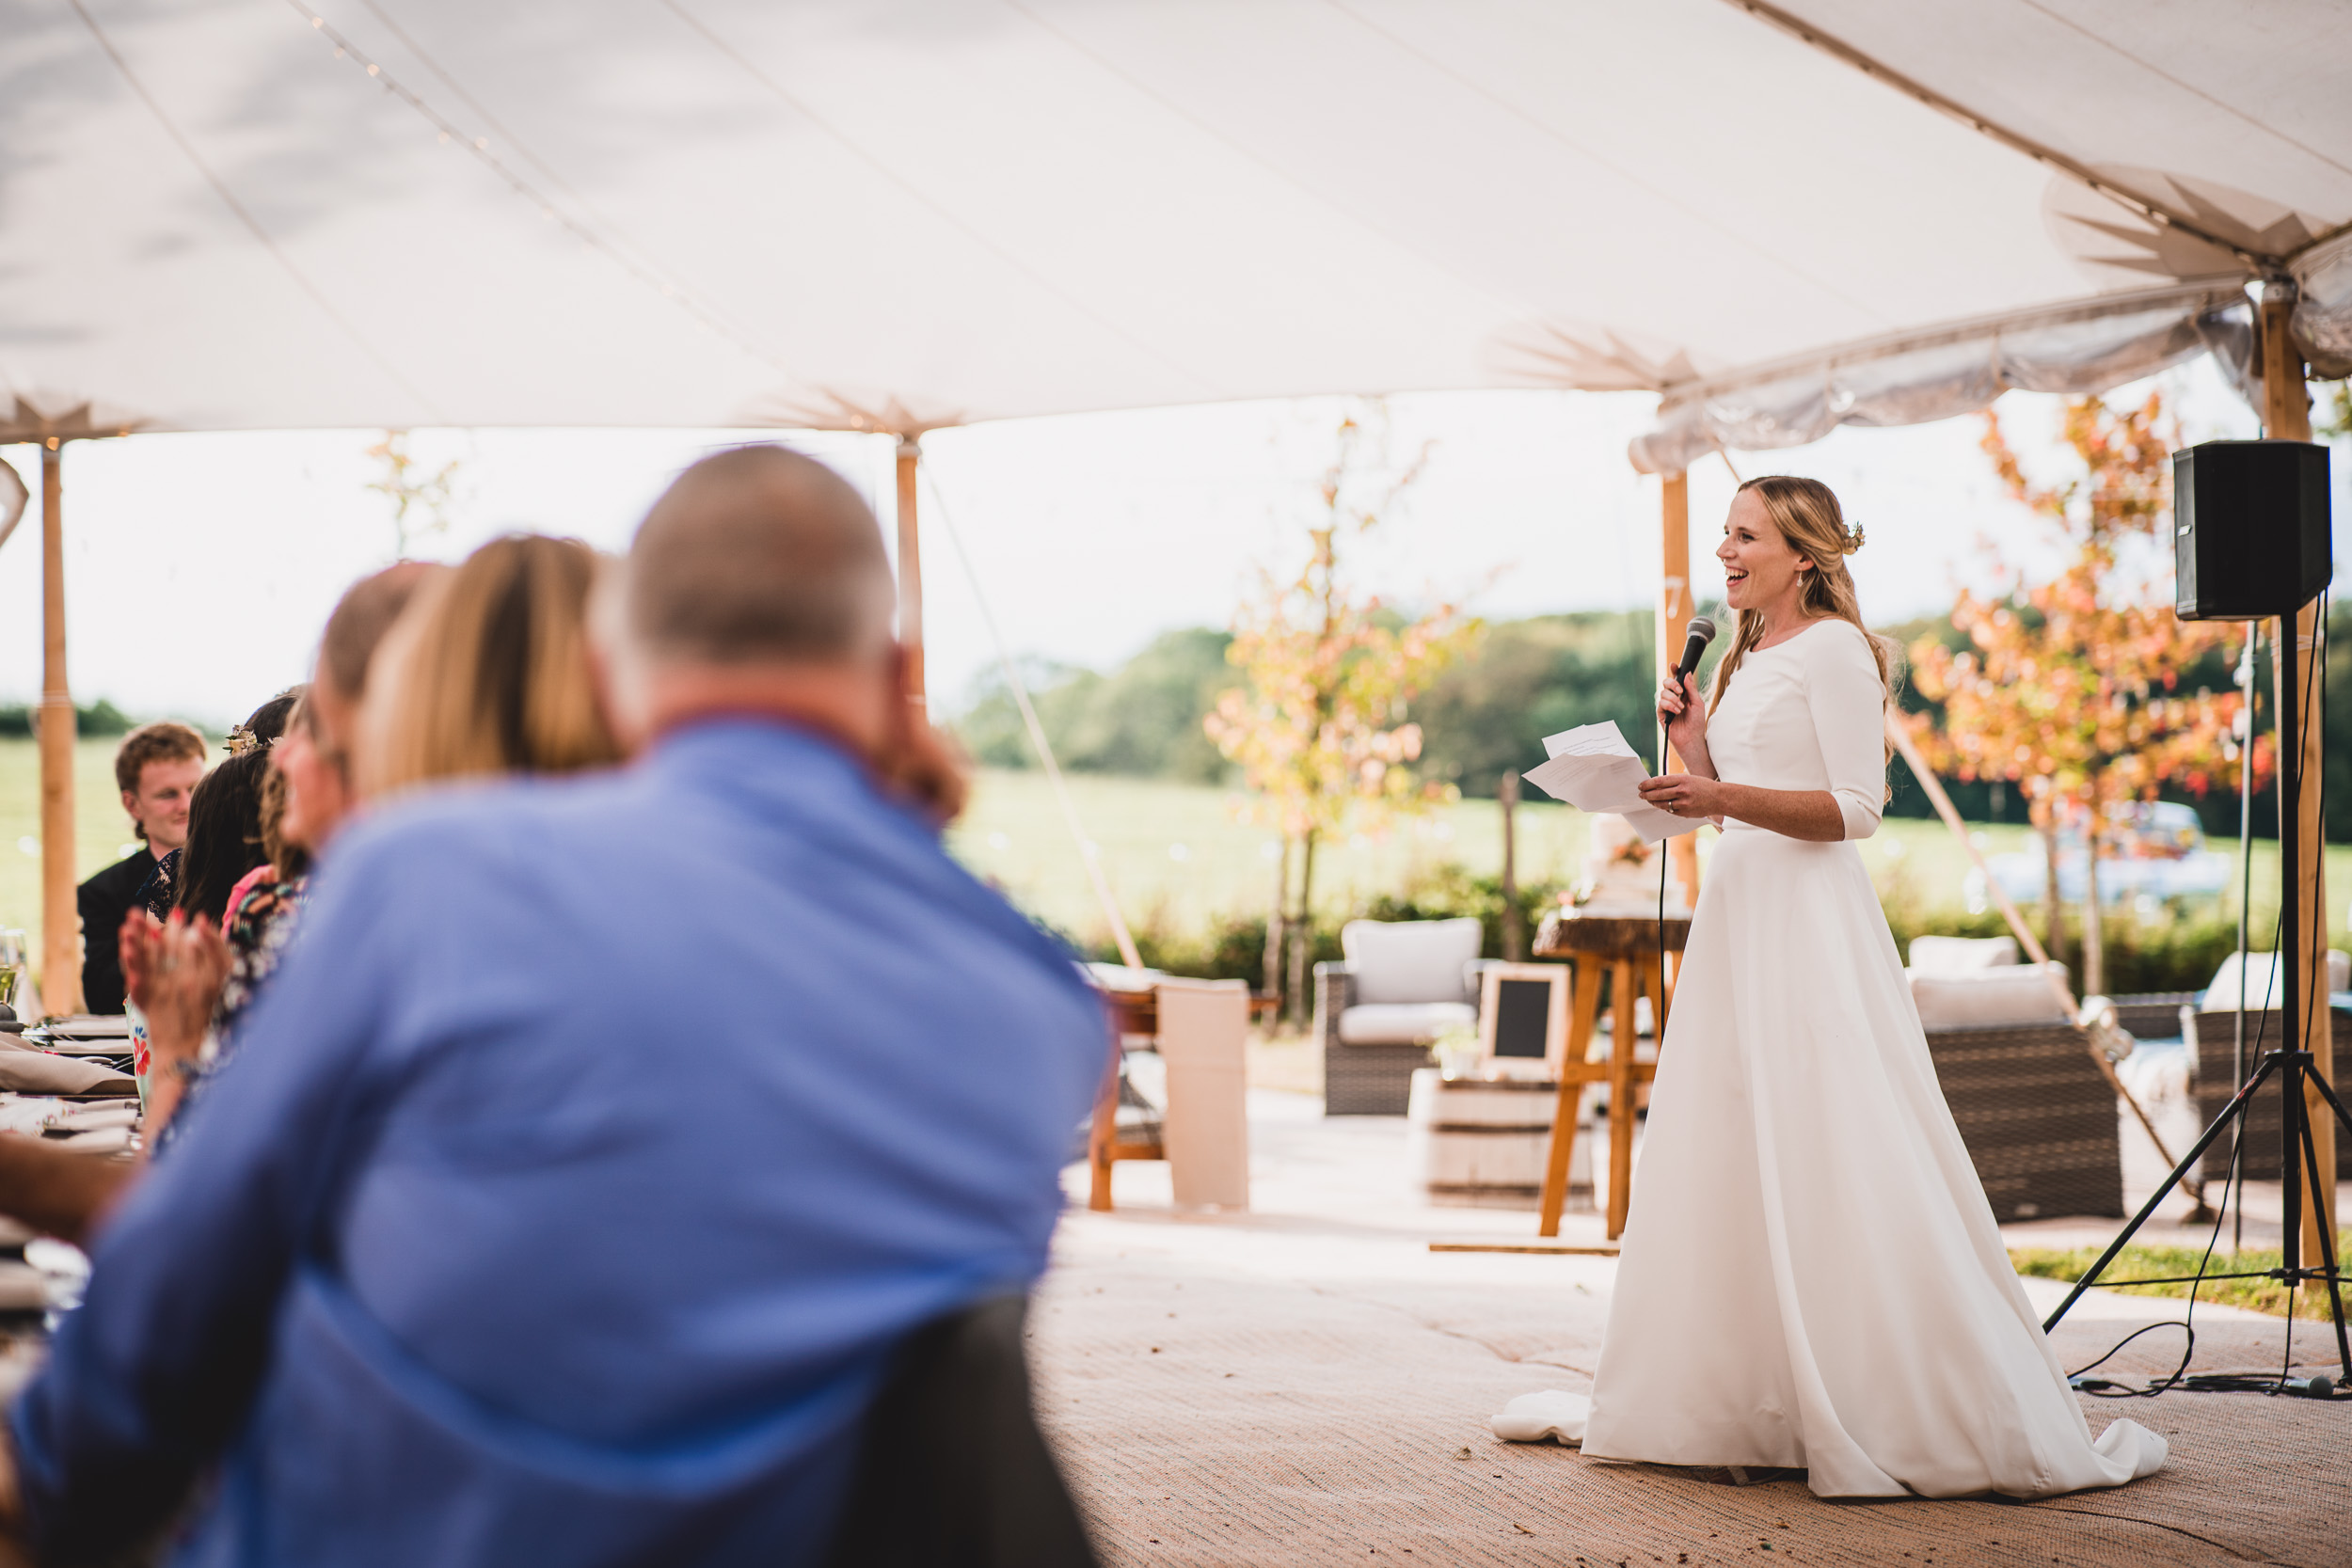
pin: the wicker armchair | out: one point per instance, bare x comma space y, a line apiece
1359, 1080
2038, 1117
1404, 984
2213, 1051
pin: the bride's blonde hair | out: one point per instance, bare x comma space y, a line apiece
1814, 525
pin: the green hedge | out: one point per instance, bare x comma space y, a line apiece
99, 718
2173, 954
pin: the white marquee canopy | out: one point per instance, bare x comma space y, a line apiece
895, 215
224, 214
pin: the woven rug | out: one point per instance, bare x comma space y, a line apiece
1293, 1389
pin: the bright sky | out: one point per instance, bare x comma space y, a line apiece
200, 568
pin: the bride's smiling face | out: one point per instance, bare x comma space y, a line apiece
1760, 571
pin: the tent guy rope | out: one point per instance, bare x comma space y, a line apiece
1088, 851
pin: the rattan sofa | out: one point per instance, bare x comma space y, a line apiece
2038, 1117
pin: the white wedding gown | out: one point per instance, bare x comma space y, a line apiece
1810, 1276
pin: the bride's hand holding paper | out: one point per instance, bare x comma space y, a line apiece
1684, 795
1593, 768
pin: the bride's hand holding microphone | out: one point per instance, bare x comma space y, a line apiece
1694, 792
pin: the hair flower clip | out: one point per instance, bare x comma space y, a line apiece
241, 740
1853, 541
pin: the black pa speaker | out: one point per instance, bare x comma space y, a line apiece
2250, 529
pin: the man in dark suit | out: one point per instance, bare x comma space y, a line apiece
156, 769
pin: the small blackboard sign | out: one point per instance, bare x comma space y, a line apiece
1523, 1018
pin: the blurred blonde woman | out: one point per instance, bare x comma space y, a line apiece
1811, 1277
484, 672
489, 673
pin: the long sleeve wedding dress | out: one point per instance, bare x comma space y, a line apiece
1810, 1273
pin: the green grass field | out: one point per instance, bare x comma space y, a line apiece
2175, 1262
1177, 855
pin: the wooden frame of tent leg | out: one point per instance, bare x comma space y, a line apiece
911, 571
1675, 607
1634, 974
60, 917
2286, 417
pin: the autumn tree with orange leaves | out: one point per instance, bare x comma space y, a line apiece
2070, 687
1319, 726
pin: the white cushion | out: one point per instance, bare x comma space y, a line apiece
2262, 977
1989, 998
1403, 1022
1960, 955
1410, 960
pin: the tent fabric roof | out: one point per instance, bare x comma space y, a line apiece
272, 214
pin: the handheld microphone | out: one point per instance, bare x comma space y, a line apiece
1702, 632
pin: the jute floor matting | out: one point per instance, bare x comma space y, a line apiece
1271, 1390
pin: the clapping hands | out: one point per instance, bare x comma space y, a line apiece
174, 970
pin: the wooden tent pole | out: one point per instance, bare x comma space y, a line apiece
1674, 609
61, 919
1514, 928
2287, 416
910, 570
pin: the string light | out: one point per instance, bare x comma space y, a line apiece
253, 225
707, 319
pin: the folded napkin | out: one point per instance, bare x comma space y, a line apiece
1533, 1417
26, 1071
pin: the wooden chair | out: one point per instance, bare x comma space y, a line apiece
1134, 1014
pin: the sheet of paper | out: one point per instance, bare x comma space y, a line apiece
1592, 767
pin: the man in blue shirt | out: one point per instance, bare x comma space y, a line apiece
599, 1140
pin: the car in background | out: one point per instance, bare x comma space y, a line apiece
2151, 849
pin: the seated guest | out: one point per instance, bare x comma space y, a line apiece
157, 768
62, 1193
229, 802
601, 1139
278, 851
223, 836
503, 635
191, 980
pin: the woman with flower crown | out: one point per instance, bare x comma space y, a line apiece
1811, 1277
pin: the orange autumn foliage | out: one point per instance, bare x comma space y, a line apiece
2072, 688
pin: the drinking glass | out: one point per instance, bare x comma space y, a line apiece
12, 951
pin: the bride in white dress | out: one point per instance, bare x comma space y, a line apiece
1811, 1277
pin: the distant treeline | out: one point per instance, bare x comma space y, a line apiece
100, 718
1529, 679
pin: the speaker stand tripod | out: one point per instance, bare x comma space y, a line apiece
2291, 1064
